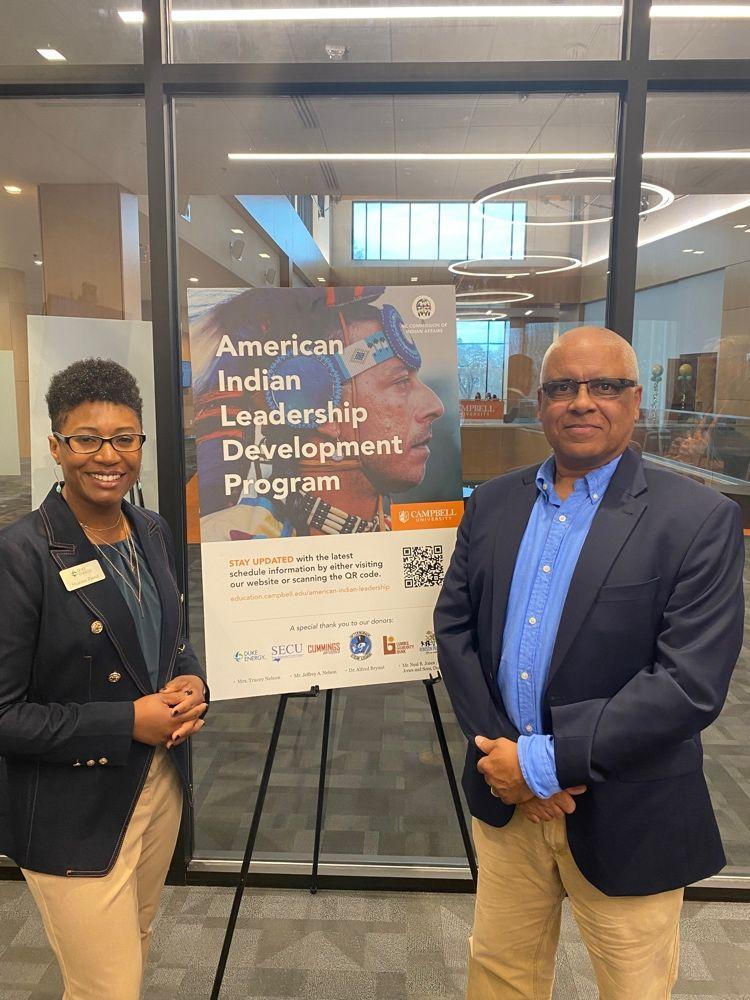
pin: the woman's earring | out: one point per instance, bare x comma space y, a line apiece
60, 483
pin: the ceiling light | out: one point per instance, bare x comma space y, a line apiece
263, 255
38, 261
699, 251
321, 280
12, 189
325, 156
474, 314
740, 225
528, 312
703, 154
131, 16
666, 197
509, 269
689, 11
194, 280
52, 55
493, 298
395, 13
237, 232
688, 251
413, 279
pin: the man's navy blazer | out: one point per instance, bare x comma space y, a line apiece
649, 635
71, 666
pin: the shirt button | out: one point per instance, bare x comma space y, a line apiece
524, 676
594, 496
544, 486
546, 569
532, 620
562, 517
529, 728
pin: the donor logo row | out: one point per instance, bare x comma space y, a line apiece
360, 646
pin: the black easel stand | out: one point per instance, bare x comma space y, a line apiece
429, 684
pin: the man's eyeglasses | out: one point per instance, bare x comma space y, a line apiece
599, 388
89, 444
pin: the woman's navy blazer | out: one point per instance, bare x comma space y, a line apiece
71, 666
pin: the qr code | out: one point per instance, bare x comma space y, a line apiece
423, 565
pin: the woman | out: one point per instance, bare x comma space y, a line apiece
98, 691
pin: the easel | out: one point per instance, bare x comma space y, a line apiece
314, 691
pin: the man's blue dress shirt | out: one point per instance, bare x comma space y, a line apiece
546, 559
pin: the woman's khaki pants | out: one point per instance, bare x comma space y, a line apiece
100, 928
525, 870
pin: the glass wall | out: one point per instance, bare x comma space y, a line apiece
523, 268
692, 337
464, 171
73, 245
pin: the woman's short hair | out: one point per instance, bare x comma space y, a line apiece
91, 380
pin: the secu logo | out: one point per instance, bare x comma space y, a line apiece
286, 649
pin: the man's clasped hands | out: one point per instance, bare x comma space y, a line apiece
502, 772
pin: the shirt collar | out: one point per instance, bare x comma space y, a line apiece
594, 483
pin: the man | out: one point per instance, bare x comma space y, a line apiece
378, 372
587, 631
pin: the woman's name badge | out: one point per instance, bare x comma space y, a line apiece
82, 575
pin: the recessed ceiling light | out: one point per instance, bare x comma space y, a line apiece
688, 251
413, 278
699, 251
131, 16
237, 232
740, 225
263, 255
321, 280
12, 189
748, 229
529, 312
194, 280
52, 55
38, 261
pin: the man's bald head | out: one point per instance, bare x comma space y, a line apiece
590, 342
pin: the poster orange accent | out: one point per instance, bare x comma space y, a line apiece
411, 516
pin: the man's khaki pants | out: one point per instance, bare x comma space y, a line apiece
525, 870
100, 928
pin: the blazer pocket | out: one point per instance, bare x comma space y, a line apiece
643, 591
670, 763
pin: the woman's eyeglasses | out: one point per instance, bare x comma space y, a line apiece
89, 444
599, 388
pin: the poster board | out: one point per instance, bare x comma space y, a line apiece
327, 439
56, 342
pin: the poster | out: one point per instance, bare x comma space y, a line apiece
56, 342
329, 478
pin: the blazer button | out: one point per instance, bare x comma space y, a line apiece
103, 760
96, 627
114, 677
90, 763
77, 764
181, 648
